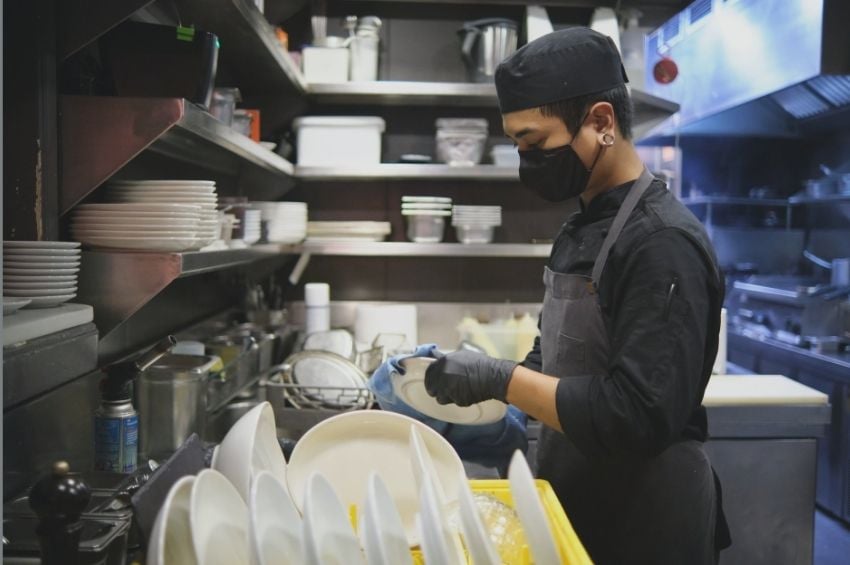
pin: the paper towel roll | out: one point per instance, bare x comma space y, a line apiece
373, 319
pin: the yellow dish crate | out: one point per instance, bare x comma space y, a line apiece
571, 550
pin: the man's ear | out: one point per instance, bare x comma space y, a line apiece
602, 119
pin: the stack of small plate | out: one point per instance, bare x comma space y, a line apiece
39, 274
285, 222
426, 206
475, 224
138, 226
426, 217
347, 231
196, 192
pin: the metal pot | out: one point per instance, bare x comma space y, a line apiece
485, 44
172, 401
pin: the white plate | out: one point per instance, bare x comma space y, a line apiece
119, 217
324, 369
9, 278
439, 545
13, 304
340, 342
475, 536
531, 513
84, 234
219, 521
335, 447
49, 301
381, 531
33, 252
425, 206
29, 271
9, 245
427, 199
43, 258
275, 524
138, 225
159, 189
162, 198
164, 182
423, 466
410, 388
140, 207
14, 266
39, 292
328, 537
38, 285
170, 542
140, 243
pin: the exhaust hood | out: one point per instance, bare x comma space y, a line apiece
776, 68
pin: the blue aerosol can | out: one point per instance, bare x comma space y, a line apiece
116, 422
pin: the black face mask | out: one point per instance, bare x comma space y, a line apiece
555, 174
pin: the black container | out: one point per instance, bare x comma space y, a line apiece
148, 60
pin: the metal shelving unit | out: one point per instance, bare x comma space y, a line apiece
101, 134
408, 172
405, 249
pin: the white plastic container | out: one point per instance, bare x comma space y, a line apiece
505, 156
317, 303
324, 64
339, 140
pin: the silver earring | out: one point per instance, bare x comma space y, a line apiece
608, 139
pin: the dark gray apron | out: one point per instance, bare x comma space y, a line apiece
660, 510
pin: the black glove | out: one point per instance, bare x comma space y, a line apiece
465, 378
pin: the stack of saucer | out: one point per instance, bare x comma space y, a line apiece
39, 274
475, 224
285, 222
197, 192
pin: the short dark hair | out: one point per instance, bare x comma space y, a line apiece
572, 110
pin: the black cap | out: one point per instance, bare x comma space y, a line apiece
563, 64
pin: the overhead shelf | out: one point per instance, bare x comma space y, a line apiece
119, 283
101, 134
403, 171
405, 249
250, 50
404, 93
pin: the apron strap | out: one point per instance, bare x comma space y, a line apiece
629, 204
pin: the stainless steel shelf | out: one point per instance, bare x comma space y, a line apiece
408, 172
250, 51
832, 199
405, 249
405, 93
735, 201
119, 283
101, 134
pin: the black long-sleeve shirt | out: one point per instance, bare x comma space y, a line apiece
662, 345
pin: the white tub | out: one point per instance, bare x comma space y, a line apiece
339, 140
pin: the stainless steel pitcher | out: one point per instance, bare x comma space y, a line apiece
486, 43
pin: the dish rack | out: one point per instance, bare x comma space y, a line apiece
339, 399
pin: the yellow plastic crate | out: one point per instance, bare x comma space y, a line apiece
571, 550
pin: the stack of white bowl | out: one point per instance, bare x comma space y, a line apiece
39, 274
285, 222
196, 192
475, 224
426, 217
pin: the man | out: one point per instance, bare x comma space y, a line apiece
629, 323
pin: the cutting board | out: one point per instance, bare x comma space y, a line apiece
26, 324
760, 389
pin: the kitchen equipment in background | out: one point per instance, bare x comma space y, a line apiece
339, 140
486, 43
460, 141
374, 320
242, 122
537, 23
505, 338
39, 274
320, 379
820, 188
475, 224
327, 60
317, 301
223, 103
632, 48
347, 231
172, 401
426, 217
840, 272
505, 156
283, 222
161, 61
364, 46
604, 20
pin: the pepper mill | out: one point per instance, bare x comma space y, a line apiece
58, 500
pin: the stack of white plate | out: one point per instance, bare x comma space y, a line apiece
251, 226
426, 206
347, 231
197, 192
139, 227
475, 224
41, 272
286, 222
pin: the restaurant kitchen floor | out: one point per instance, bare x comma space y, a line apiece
832, 541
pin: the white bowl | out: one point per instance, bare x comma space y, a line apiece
328, 537
275, 524
249, 447
219, 521
381, 531
170, 542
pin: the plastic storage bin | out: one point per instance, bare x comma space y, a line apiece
339, 140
